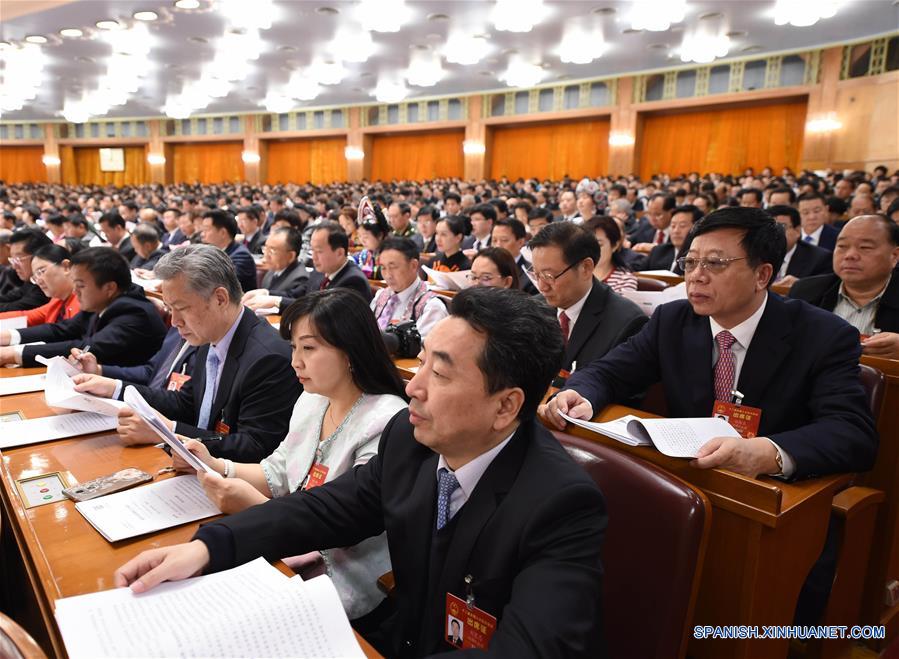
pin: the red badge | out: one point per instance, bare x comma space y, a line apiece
222, 428
176, 381
467, 626
316, 476
744, 419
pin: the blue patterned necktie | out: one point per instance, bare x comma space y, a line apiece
446, 485
212, 369
809, 239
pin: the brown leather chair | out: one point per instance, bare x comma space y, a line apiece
652, 553
649, 284
16, 643
873, 383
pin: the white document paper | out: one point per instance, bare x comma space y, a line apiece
658, 273
138, 404
147, 509
146, 284
48, 428
17, 323
448, 281
649, 300
677, 438
67, 368
249, 611
59, 391
267, 311
22, 384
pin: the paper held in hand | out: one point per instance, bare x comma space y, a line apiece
678, 438
59, 391
151, 416
448, 281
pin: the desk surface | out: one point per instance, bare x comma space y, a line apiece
63, 554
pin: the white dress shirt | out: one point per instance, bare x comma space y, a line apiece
574, 311
816, 236
786, 263
469, 474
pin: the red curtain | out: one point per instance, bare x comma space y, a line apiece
317, 160
22, 164
417, 156
550, 150
207, 162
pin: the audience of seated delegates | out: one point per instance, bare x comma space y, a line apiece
817, 229
537, 219
586, 204
494, 267
172, 235
351, 390
592, 318
802, 258
780, 195
116, 320
449, 237
665, 255
9, 280
862, 204
863, 288
511, 235
285, 274
750, 198
406, 296
248, 223
76, 226
241, 380
372, 234
430, 489
346, 218
483, 218
656, 229
147, 247
56, 228
425, 237
51, 271
114, 228
28, 295
568, 207
887, 198
612, 267
399, 216
220, 230
452, 204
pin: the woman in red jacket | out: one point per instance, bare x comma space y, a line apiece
50, 268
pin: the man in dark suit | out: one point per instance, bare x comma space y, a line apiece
511, 235
248, 221
592, 318
659, 210
220, 230
148, 250
476, 499
242, 382
114, 229
664, 256
22, 246
864, 288
802, 259
795, 363
284, 272
482, 218
815, 230
426, 223
116, 320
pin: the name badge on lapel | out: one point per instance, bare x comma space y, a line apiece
744, 419
177, 380
222, 428
467, 626
317, 475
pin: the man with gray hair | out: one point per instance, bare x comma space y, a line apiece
148, 251
242, 384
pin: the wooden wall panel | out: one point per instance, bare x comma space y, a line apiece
207, 162
22, 164
315, 160
869, 136
417, 156
81, 166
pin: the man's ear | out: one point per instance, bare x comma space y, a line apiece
509, 403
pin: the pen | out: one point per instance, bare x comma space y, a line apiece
85, 351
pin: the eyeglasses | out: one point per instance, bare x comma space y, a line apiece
19, 260
40, 272
484, 279
548, 277
689, 264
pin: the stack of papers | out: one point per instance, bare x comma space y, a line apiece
250, 611
448, 281
649, 300
678, 438
59, 391
146, 284
17, 323
23, 384
35, 431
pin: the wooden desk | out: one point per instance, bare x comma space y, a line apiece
884, 563
407, 367
61, 553
765, 537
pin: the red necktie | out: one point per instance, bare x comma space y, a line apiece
725, 368
324, 284
565, 324
660, 237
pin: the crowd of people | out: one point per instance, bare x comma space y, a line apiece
368, 473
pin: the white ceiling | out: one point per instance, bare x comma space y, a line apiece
184, 41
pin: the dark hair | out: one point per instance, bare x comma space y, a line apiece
487, 210
892, 208
837, 205
250, 211
55, 254
515, 226
113, 219
130, 205
342, 318
764, 240
690, 209
222, 220
512, 323
76, 219
145, 234
74, 245
575, 241
289, 216
55, 219
430, 211
620, 189
33, 239
503, 261
105, 265
755, 192
781, 190
337, 238
543, 213
453, 196
404, 246
405, 208
669, 201
789, 211
293, 237
811, 196
500, 205
378, 226
455, 223
610, 227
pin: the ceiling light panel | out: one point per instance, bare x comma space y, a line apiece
657, 15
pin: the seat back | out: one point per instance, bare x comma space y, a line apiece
649, 284
16, 643
873, 383
652, 552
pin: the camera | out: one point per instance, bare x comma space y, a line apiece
402, 339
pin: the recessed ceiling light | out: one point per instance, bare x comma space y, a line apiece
198, 39
658, 46
751, 49
438, 17
631, 30
287, 49
605, 11
145, 15
708, 16
72, 32
187, 4
85, 58
36, 38
564, 76
419, 46
108, 25
736, 34
328, 10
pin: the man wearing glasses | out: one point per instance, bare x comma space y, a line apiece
592, 318
22, 245
733, 341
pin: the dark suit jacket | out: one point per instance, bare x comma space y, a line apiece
530, 537
606, 319
351, 276
468, 241
429, 248
128, 333
175, 237
291, 280
256, 391
801, 370
828, 238
27, 296
809, 260
659, 258
150, 262
524, 282
256, 242
823, 291
126, 249
244, 264
9, 280
144, 373
643, 232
